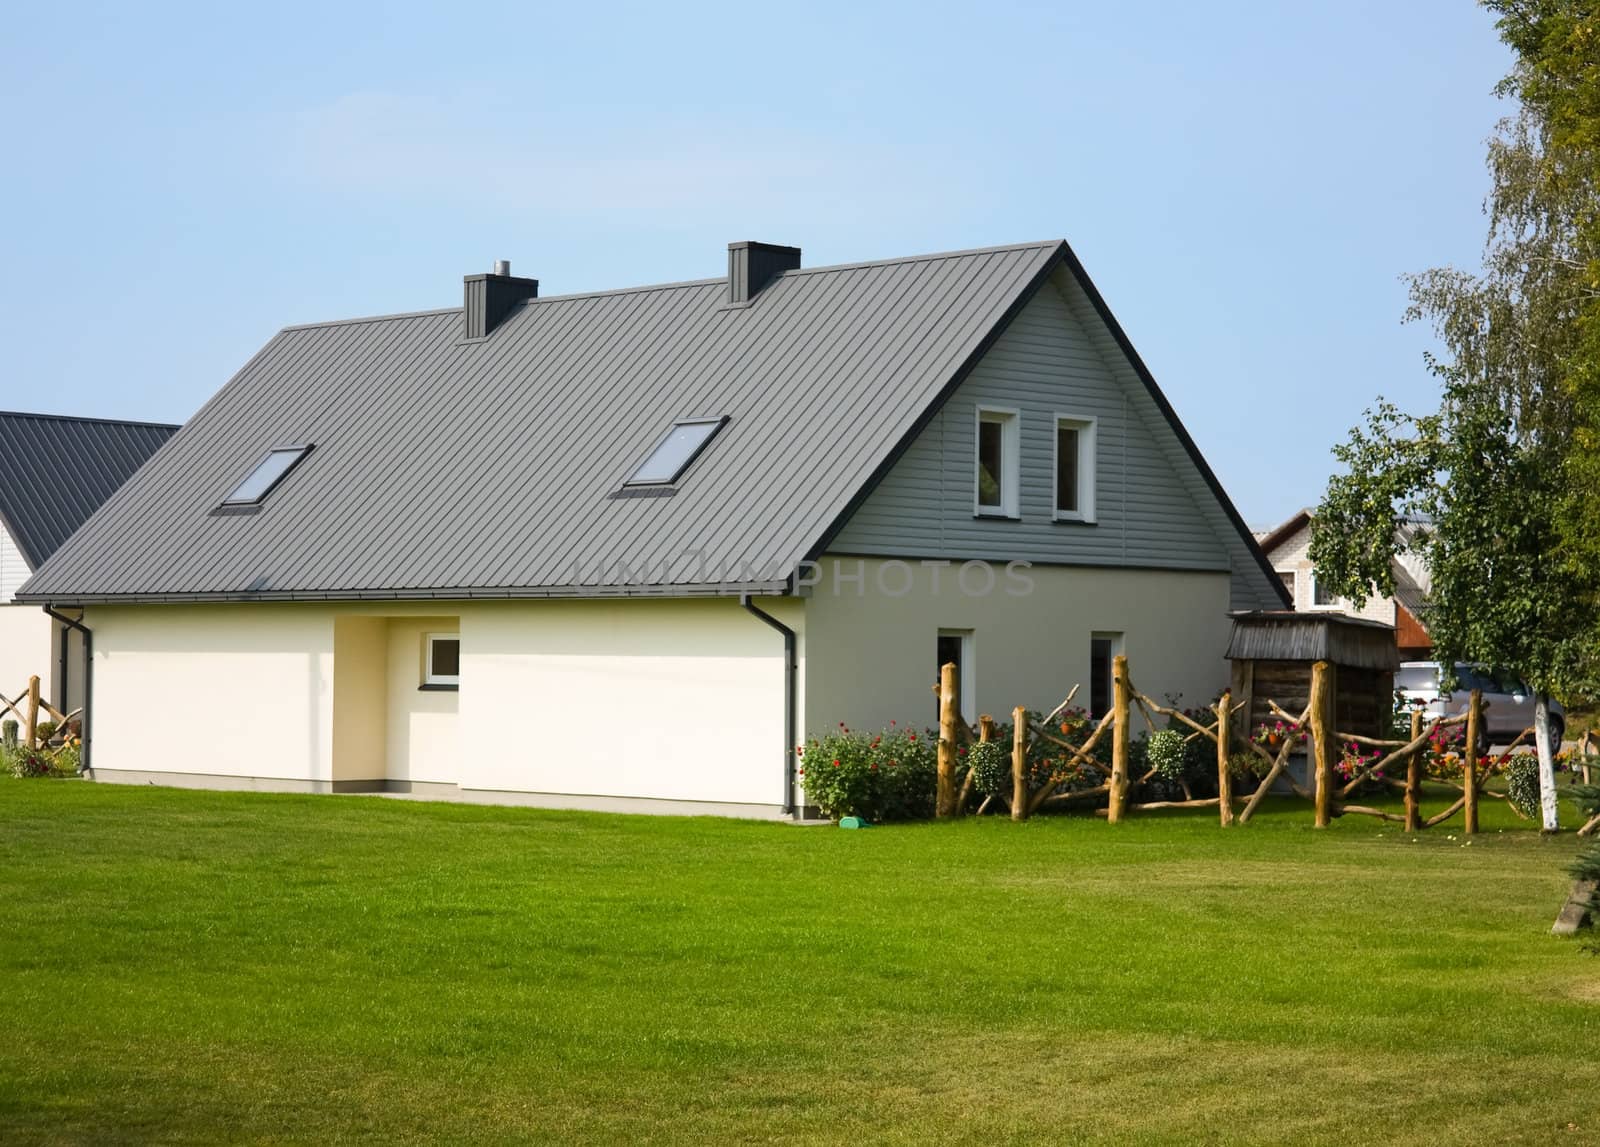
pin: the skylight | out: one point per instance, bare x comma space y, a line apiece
268, 473
672, 454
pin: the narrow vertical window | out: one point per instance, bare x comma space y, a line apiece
955, 645
995, 464
1074, 466
1102, 648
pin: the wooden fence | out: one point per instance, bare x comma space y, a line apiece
1315, 725
26, 707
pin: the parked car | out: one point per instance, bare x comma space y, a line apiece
1508, 703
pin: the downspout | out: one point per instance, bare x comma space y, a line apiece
88, 677
791, 675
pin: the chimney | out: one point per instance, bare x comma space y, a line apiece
488, 298
751, 266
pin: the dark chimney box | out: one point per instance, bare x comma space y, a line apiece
489, 298
751, 266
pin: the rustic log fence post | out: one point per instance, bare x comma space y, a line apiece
1469, 759
985, 727
1119, 739
1414, 777
30, 731
1322, 737
1019, 763
1224, 773
945, 802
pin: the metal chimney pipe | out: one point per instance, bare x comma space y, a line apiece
502, 266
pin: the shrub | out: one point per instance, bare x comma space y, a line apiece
19, 761
991, 767
1167, 751
890, 775
1522, 784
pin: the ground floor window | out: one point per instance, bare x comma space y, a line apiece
1102, 648
956, 645
441, 665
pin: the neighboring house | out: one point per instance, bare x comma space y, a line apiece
624, 549
1286, 548
54, 472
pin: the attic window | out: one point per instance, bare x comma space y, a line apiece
673, 454
271, 470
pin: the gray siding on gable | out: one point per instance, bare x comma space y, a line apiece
1046, 363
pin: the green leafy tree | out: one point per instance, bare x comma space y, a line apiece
1497, 473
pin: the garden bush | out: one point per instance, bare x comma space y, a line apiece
892, 775
1522, 784
991, 767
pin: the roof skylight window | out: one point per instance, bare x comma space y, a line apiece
676, 451
271, 470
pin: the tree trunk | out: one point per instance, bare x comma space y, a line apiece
1224, 774
1547, 762
1469, 758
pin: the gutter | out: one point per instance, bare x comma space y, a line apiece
88, 677
791, 676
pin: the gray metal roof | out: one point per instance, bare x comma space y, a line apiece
55, 471
445, 468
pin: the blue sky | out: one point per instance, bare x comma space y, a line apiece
1245, 182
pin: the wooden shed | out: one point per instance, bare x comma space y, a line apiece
1272, 655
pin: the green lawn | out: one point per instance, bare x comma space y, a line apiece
204, 967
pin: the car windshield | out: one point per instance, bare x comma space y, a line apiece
1417, 678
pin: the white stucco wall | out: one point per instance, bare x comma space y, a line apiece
424, 728
253, 684
873, 652
25, 650
669, 699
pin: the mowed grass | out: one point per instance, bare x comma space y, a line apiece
227, 967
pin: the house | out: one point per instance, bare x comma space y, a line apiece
1287, 546
54, 472
624, 549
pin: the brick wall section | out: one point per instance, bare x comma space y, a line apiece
1290, 557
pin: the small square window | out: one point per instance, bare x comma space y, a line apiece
270, 471
673, 454
1321, 595
1074, 467
995, 464
1287, 578
442, 661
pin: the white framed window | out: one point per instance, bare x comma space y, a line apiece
1103, 649
957, 645
441, 661
1074, 468
1287, 578
996, 474
1321, 596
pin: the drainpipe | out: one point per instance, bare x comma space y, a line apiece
88, 676
791, 675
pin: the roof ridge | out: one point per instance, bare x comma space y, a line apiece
681, 284
90, 419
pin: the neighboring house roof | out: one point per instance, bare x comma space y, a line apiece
1270, 540
446, 467
1410, 573
55, 471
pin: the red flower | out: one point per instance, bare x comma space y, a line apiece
835, 764
891, 722
913, 736
873, 766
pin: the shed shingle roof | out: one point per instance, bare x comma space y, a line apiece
445, 468
56, 470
